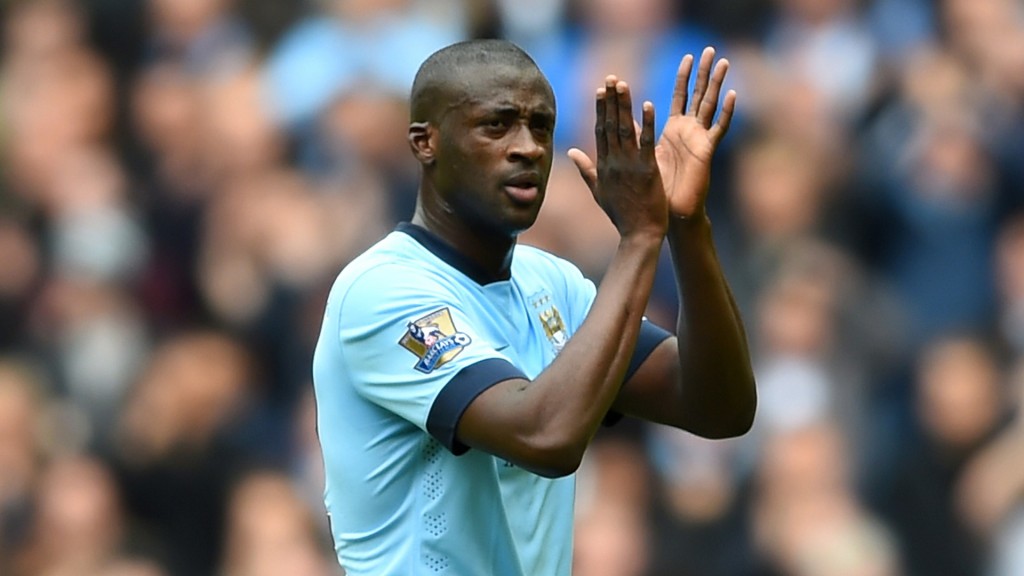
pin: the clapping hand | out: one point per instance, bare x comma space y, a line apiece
625, 180
688, 142
689, 139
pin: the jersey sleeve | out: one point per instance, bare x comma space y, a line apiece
411, 348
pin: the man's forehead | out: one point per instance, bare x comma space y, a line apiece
501, 85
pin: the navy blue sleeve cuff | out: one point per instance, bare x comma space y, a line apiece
650, 336
459, 392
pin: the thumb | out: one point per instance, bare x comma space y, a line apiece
586, 166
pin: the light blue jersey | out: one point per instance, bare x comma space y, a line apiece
413, 332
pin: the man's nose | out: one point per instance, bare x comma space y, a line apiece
524, 145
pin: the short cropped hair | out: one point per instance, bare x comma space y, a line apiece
442, 70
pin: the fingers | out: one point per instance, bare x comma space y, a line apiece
586, 166
647, 132
611, 114
619, 110
601, 125
682, 87
709, 102
615, 128
717, 132
627, 132
703, 72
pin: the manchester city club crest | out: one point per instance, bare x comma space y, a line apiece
434, 340
551, 320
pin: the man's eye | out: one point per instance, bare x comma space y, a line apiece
543, 128
496, 123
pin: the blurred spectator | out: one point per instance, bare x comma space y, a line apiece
780, 192
93, 231
935, 199
166, 110
376, 46
359, 147
958, 409
698, 522
180, 445
77, 526
991, 493
349, 112
812, 77
271, 531
611, 535
97, 341
807, 519
237, 136
988, 36
267, 240
824, 338
24, 440
204, 36
174, 181
795, 347
53, 105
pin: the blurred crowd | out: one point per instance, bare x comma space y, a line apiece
181, 180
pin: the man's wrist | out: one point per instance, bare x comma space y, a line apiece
642, 241
698, 223
691, 235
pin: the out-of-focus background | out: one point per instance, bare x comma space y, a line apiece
182, 179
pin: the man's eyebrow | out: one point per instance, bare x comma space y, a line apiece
499, 109
510, 108
545, 113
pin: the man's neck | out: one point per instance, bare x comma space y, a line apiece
488, 251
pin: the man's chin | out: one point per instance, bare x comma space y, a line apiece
524, 219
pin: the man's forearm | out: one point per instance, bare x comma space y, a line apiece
583, 381
718, 396
545, 425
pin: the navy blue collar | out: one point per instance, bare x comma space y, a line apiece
450, 255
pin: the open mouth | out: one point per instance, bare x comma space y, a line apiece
524, 188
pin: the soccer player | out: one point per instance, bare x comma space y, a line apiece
459, 377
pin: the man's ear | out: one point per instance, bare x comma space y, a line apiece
422, 141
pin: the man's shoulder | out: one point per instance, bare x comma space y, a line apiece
393, 267
392, 252
534, 257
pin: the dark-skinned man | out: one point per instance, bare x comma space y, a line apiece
460, 377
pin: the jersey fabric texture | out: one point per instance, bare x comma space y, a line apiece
412, 333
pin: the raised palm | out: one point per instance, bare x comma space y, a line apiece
690, 138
